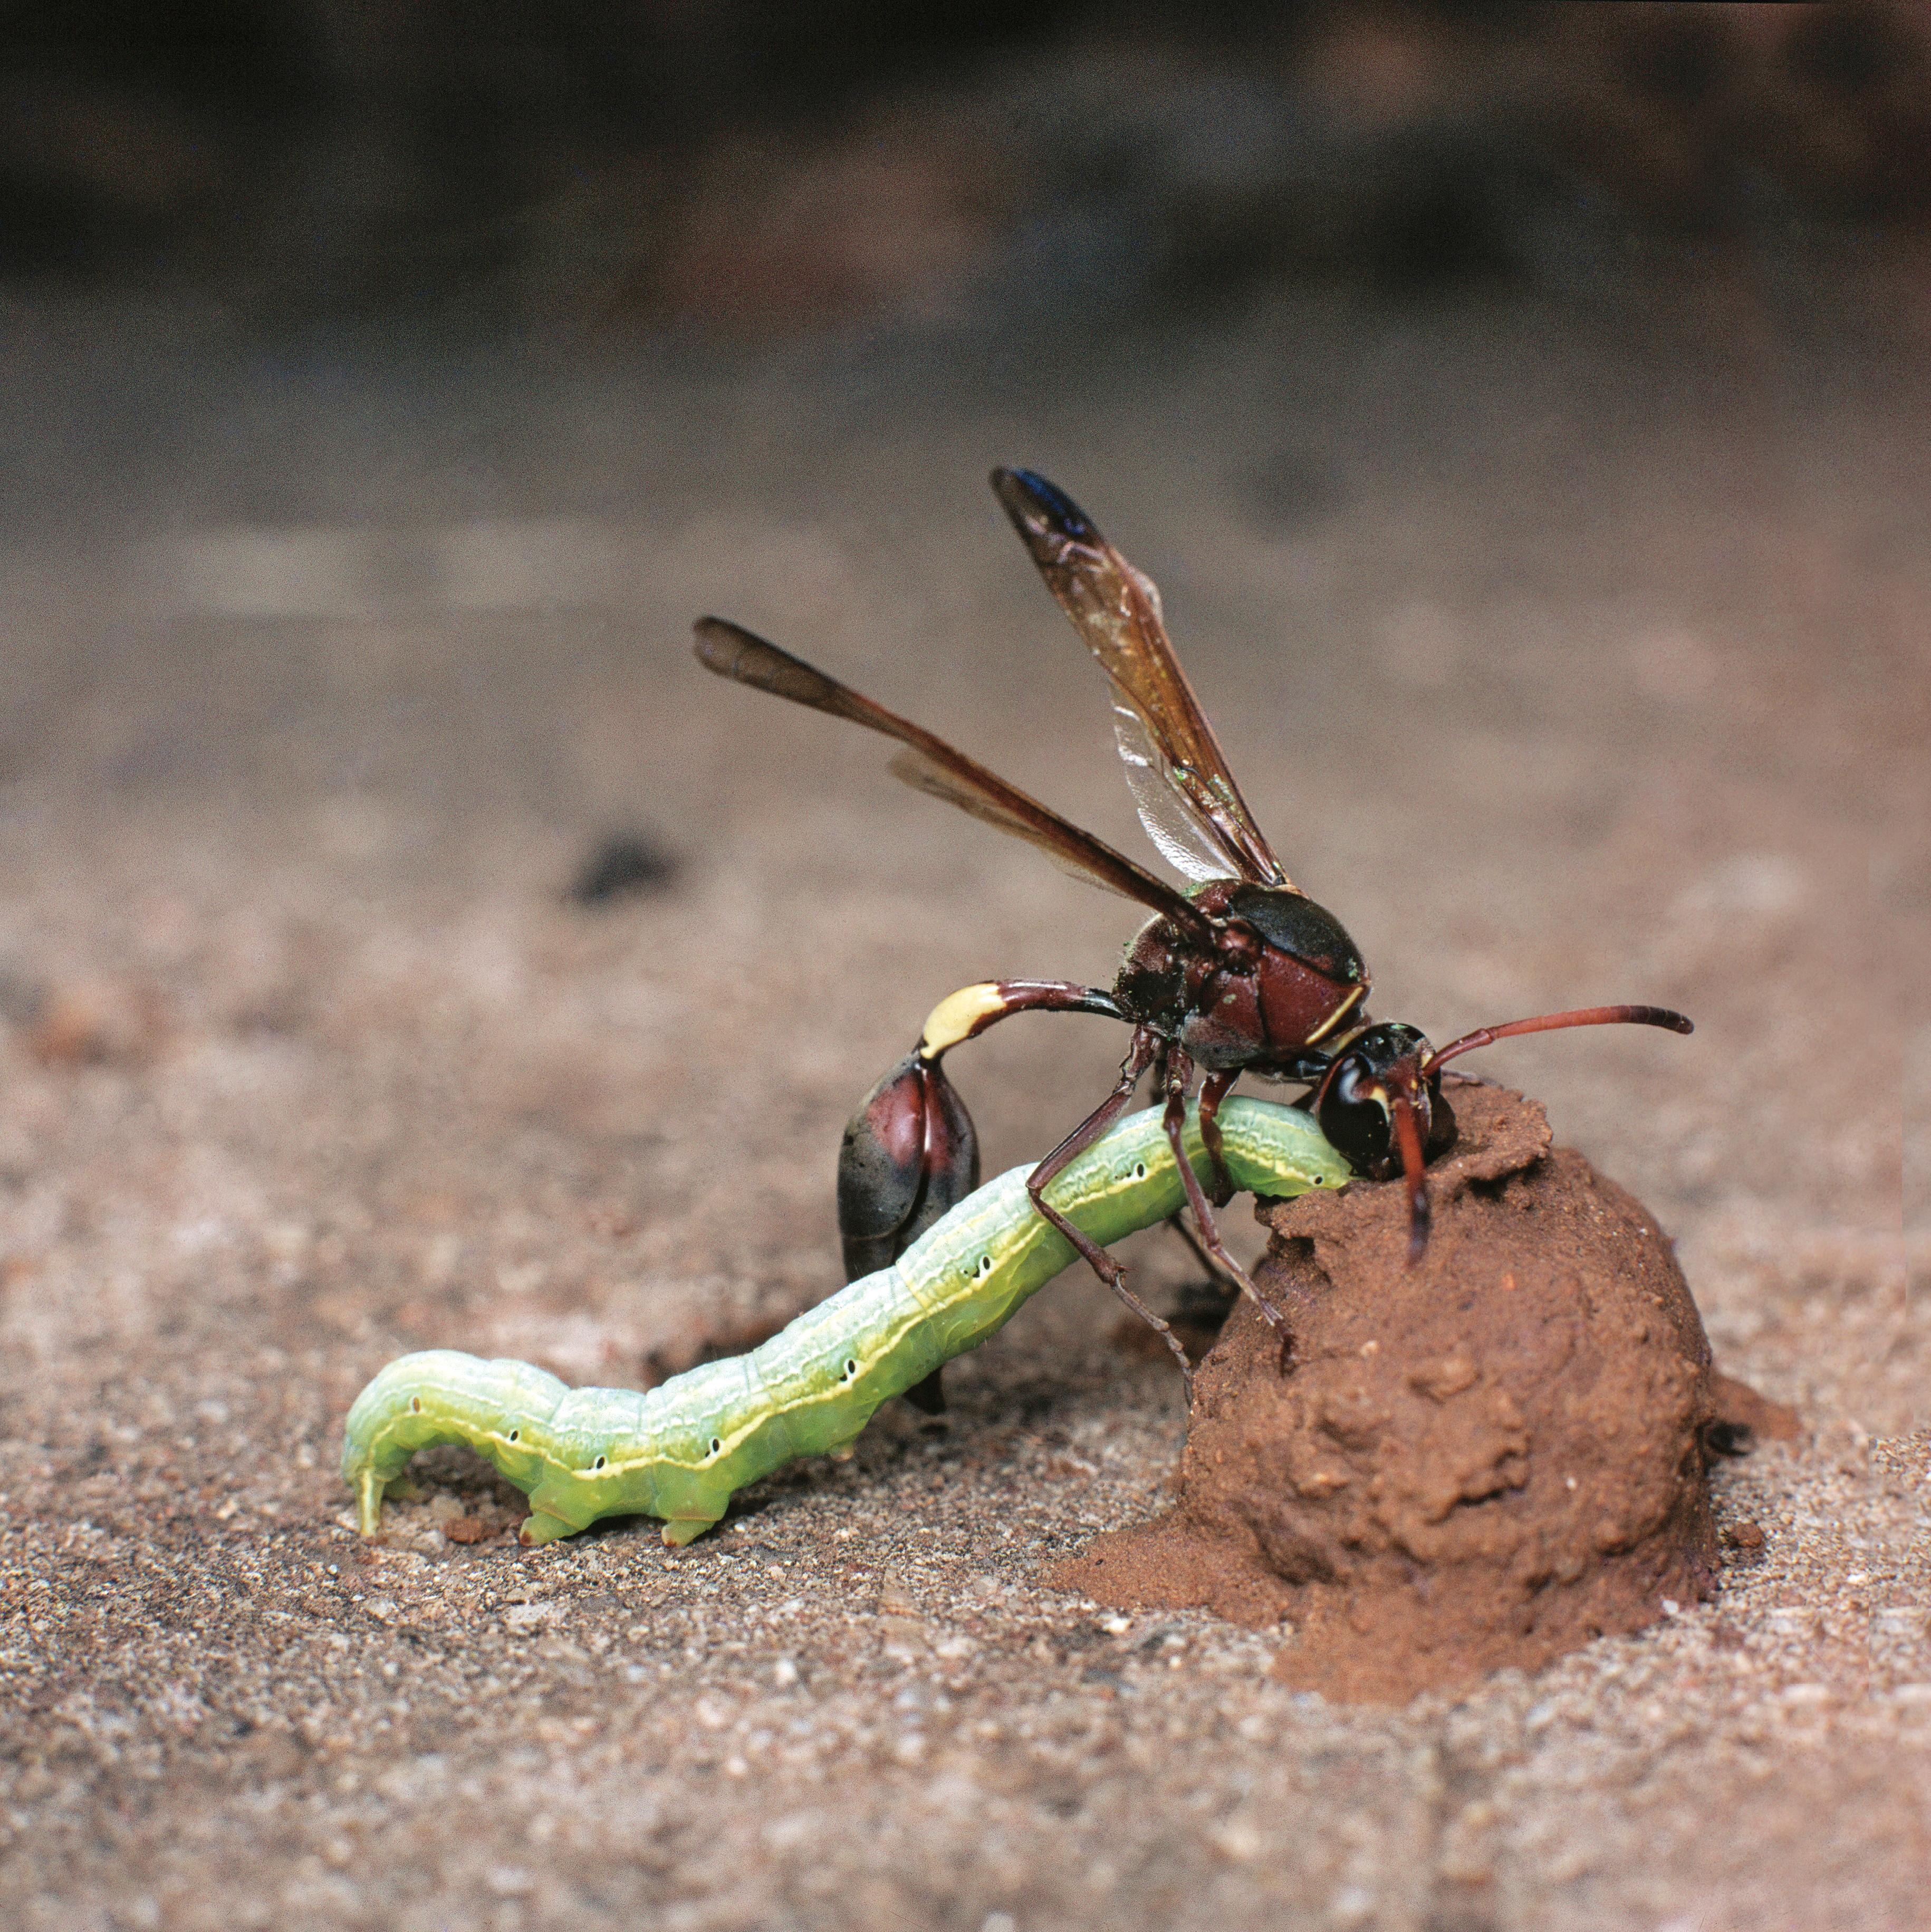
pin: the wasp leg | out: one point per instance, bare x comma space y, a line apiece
1216, 1277
1140, 1056
1214, 1089
1174, 1121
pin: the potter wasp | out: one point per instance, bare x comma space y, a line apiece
1239, 972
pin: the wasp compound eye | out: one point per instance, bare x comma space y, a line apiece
1353, 1114
1354, 1104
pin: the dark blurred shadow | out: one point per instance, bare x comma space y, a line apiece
744, 169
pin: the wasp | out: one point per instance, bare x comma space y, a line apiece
1238, 972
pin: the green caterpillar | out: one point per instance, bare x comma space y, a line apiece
680, 1451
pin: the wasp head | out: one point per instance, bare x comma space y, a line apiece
1379, 1100
1379, 1104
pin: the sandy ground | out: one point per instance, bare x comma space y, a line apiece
1566, 664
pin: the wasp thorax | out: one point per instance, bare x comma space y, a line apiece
1240, 945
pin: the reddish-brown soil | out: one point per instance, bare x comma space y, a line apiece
1485, 1460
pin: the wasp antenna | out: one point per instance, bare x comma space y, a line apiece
1655, 1016
1409, 1136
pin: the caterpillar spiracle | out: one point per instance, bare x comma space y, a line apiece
681, 1450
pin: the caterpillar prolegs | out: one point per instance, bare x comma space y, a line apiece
680, 1451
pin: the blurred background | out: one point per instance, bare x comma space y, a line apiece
1522, 408
751, 168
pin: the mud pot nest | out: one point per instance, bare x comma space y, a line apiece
1485, 1460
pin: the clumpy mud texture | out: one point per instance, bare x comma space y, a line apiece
1487, 1460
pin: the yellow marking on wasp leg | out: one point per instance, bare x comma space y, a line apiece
682, 1529
958, 1016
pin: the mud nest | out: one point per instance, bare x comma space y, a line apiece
1484, 1461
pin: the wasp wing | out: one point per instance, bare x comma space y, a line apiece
1185, 793
1184, 840
930, 765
